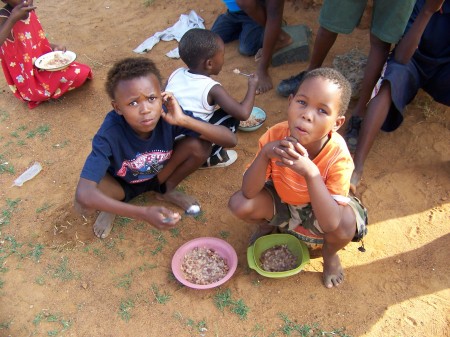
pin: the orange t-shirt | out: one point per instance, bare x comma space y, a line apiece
334, 162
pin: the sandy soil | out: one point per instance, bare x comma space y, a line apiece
57, 279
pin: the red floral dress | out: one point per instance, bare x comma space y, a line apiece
27, 82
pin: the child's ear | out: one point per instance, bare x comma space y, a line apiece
339, 122
116, 107
208, 64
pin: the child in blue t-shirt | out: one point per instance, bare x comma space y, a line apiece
135, 151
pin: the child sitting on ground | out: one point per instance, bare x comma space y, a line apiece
135, 151
22, 41
300, 177
203, 53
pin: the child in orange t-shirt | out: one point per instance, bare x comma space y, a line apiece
300, 177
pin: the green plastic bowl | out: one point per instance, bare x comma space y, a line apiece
297, 247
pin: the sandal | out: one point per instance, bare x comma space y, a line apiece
352, 133
223, 159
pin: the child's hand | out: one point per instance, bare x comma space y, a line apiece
56, 47
433, 5
293, 155
22, 10
253, 81
174, 114
161, 217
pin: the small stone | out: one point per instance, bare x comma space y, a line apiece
84, 285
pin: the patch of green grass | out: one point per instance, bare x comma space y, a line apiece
40, 280
4, 325
121, 221
41, 130
61, 145
147, 266
1, 284
200, 326
240, 309
43, 208
224, 234
224, 299
36, 251
160, 298
62, 271
125, 309
160, 241
148, 3
125, 281
5, 167
3, 115
307, 330
6, 213
174, 232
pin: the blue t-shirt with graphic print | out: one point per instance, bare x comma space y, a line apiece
118, 150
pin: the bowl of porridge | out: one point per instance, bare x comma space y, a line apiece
277, 255
255, 121
204, 263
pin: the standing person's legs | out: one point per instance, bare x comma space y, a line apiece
378, 54
398, 88
336, 17
389, 19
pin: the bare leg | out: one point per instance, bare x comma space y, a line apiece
333, 273
325, 39
378, 54
255, 211
377, 111
188, 155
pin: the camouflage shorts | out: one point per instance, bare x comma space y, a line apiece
288, 217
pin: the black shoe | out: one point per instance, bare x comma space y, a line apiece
352, 132
290, 85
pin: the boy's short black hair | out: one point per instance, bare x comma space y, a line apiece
197, 45
336, 77
127, 69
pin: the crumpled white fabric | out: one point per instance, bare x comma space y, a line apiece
186, 22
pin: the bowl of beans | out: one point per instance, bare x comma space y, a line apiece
204, 263
255, 121
277, 255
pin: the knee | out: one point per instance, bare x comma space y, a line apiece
199, 149
237, 205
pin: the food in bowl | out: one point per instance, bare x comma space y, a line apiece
204, 266
251, 122
278, 258
58, 60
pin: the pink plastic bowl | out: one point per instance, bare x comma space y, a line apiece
221, 247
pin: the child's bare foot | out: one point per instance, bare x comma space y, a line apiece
333, 274
354, 181
104, 224
263, 229
186, 202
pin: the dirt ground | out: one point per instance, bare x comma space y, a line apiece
58, 279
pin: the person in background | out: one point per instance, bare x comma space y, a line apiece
203, 53
389, 19
235, 24
22, 41
421, 60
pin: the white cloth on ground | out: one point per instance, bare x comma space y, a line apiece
186, 22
